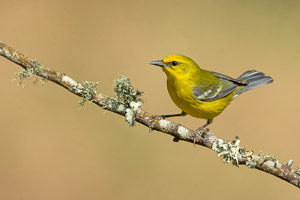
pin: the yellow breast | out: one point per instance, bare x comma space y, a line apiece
181, 92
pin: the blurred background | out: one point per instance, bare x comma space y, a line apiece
50, 148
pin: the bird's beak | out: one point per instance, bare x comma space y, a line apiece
159, 63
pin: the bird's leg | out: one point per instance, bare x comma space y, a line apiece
164, 116
173, 115
199, 130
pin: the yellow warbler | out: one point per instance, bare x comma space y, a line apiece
201, 93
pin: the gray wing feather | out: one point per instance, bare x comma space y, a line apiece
207, 92
225, 77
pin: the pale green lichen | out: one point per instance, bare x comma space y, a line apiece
269, 158
121, 108
126, 94
135, 105
249, 155
113, 104
183, 131
228, 150
69, 81
28, 73
164, 123
297, 170
87, 90
251, 163
130, 116
290, 163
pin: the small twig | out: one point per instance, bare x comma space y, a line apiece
230, 151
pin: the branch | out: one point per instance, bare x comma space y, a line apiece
229, 151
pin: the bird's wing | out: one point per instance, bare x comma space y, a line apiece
207, 92
225, 77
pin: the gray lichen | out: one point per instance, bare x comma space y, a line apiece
271, 157
130, 116
290, 163
28, 73
251, 163
251, 158
112, 104
268, 158
87, 90
126, 94
297, 170
228, 150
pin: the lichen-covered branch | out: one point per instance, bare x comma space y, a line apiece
127, 103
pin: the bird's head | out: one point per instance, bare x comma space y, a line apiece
177, 65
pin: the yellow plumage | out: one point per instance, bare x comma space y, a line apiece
201, 93
181, 92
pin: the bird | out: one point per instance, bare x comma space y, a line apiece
201, 93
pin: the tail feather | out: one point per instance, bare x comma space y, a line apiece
254, 79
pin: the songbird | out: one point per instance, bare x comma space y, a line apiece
202, 93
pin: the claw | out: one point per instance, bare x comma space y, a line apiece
150, 124
198, 133
201, 130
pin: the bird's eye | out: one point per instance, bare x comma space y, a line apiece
174, 63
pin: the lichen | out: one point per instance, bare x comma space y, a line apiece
164, 123
130, 112
68, 80
228, 150
130, 116
274, 162
126, 94
7, 53
87, 90
271, 157
297, 170
28, 73
183, 131
121, 108
135, 105
250, 163
251, 158
112, 104
290, 163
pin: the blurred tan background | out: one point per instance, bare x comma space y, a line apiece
52, 149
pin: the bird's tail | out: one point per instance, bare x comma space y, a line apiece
254, 79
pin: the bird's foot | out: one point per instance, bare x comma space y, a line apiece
152, 121
198, 132
201, 130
